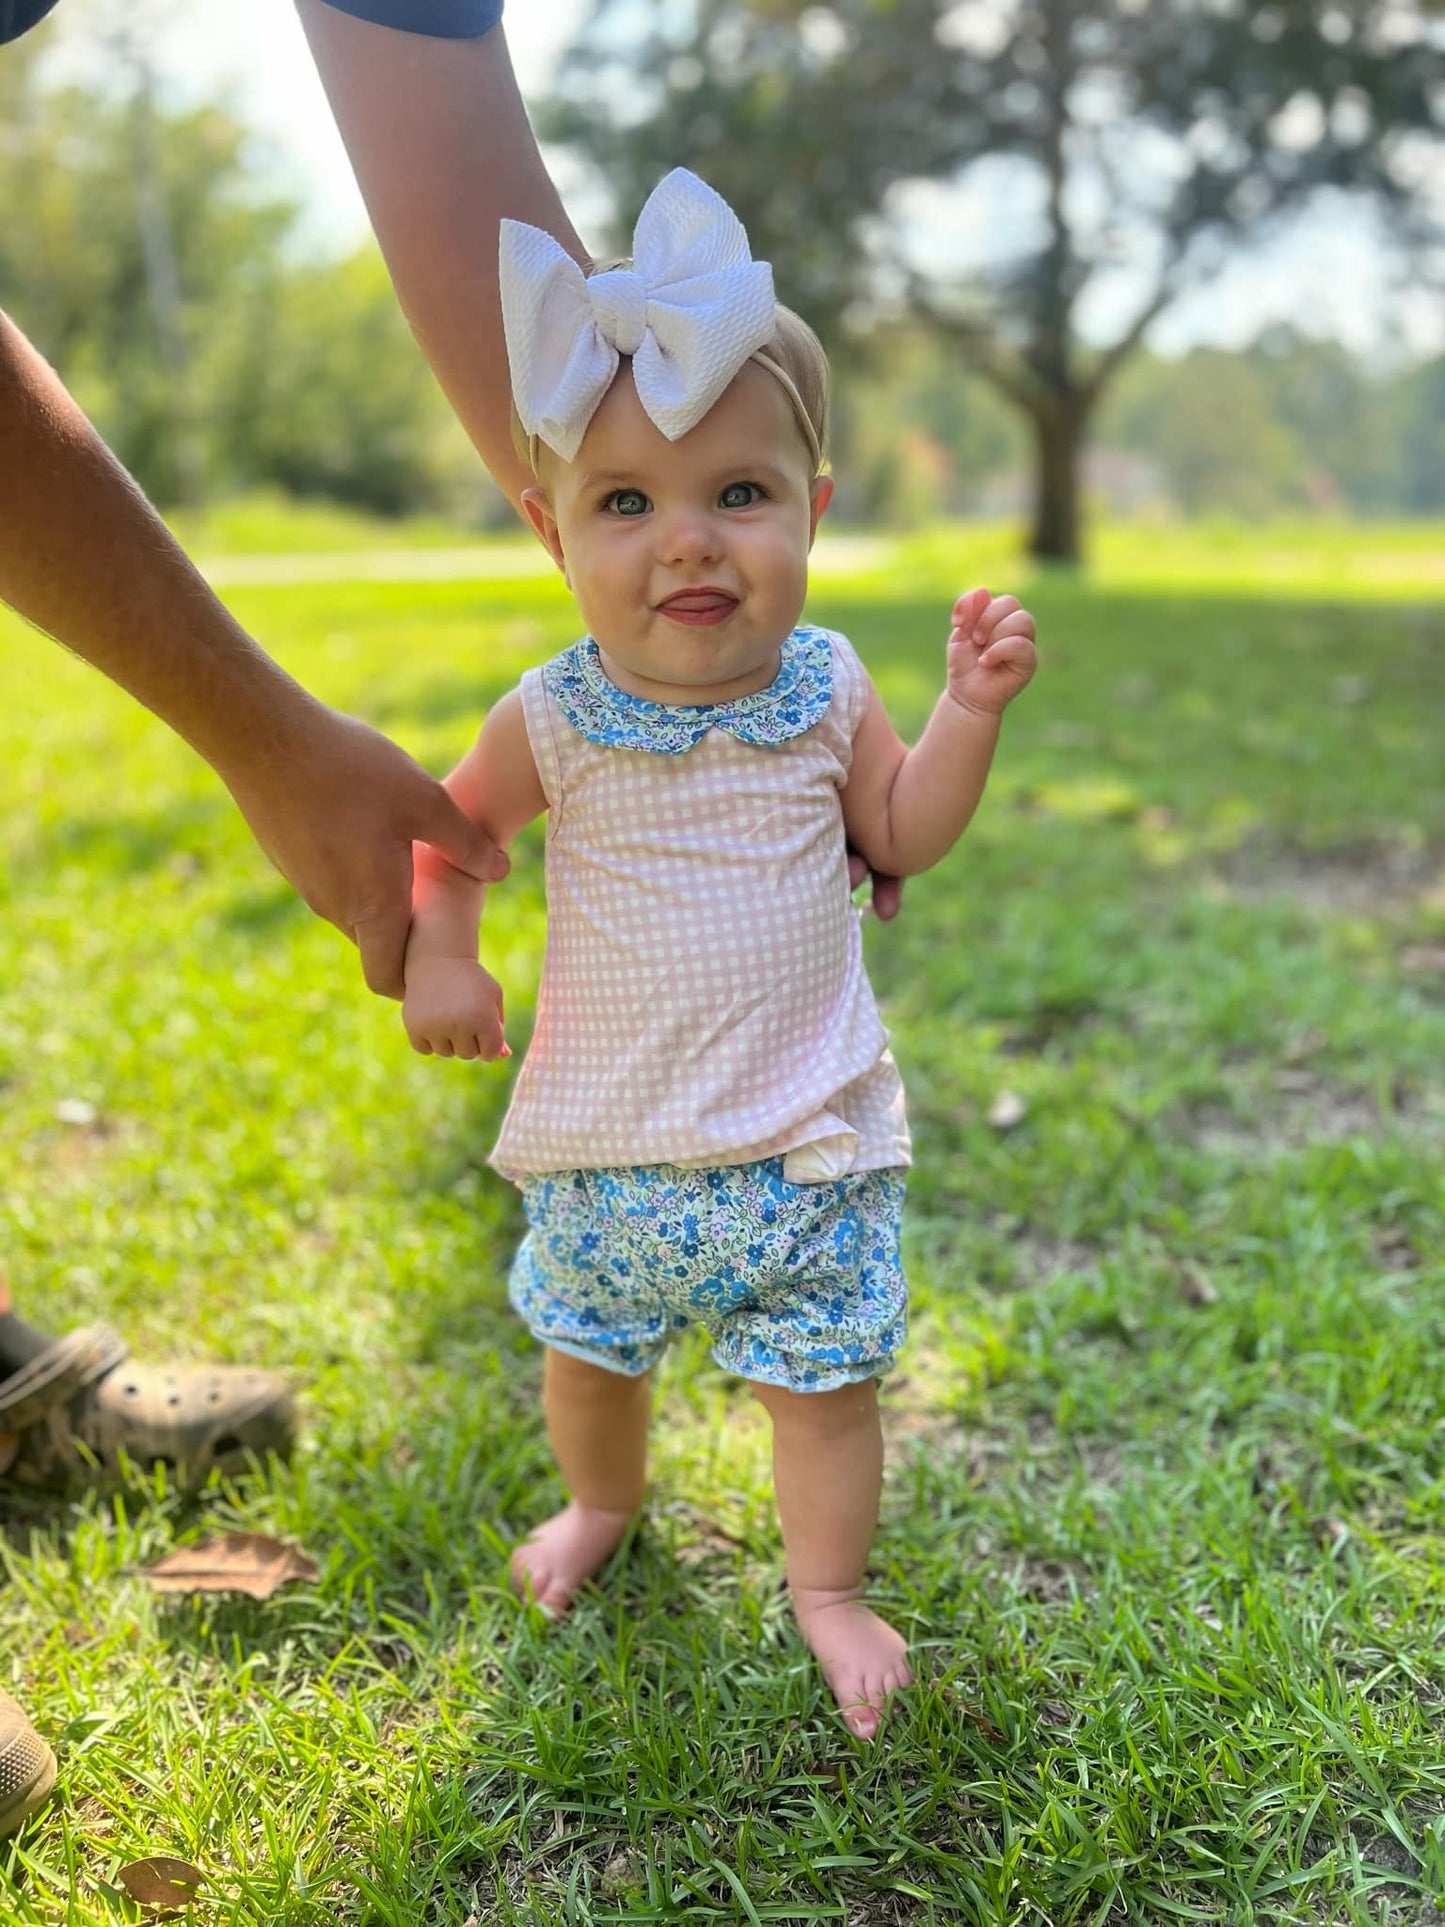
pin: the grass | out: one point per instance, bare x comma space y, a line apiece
1165, 1516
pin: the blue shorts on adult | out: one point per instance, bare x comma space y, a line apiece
443, 19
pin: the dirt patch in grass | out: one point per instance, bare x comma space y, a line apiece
1042, 1256
1365, 878
1302, 1107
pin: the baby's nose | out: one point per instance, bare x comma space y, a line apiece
691, 537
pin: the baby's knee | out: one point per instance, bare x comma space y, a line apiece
579, 1378
822, 1414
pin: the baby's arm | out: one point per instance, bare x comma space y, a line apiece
905, 808
452, 1006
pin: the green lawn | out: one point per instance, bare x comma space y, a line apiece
1166, 1506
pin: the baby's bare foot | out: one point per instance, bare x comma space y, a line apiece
550, 1566
862, 1657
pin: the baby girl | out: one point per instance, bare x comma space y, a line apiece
708, 1125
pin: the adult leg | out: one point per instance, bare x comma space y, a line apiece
597, 1423
19, 1342
12, 1356
828, 1476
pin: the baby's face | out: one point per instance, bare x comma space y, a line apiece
688, 559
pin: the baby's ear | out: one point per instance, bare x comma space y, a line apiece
819, 496
539, 512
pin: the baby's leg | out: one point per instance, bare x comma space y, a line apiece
828, 1474
597, 1422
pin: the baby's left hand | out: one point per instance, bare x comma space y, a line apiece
991, 653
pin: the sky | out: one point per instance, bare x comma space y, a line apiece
1326, 277
254, 54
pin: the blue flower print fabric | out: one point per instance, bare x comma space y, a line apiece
798, 1285
794, 701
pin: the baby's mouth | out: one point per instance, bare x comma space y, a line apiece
698, 606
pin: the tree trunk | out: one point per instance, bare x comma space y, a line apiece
1059, 445
163, 288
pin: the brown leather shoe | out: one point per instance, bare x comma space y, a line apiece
27, 1767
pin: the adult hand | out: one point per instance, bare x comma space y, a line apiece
84, 557
337, 807
886, 895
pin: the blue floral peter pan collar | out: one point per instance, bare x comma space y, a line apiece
794, 701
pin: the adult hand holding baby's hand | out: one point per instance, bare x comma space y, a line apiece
991, 653
453, 1008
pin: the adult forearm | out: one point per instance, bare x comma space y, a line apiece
938, 786
84, 557
442, 150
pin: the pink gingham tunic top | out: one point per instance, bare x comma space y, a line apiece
703, 997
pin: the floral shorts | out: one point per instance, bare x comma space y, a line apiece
799, 1285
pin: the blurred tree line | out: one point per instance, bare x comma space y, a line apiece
172, 293
1112, 155
1289, 426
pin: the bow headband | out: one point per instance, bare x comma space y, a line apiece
690, 311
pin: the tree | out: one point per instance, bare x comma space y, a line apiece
1421, 404
1210, 422
913, 440
1140, 144
145, 261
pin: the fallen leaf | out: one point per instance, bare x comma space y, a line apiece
1195, 1288
984, 1724
162, 1881
1006, 1110
618, 1875
953, 1698
245, 1562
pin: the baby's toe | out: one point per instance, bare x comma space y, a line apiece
862, 1720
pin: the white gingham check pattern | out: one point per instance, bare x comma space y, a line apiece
703, 996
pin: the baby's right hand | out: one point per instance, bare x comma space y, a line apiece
453, 1008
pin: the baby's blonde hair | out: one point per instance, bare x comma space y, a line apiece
794, 358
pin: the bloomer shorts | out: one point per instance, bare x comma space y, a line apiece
798, 1285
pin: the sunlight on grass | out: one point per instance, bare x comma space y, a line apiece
1165, 1515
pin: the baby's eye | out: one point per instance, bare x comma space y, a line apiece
627, 501
740, 495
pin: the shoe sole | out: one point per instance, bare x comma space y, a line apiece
17, 1803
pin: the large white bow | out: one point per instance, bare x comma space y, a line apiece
690, 311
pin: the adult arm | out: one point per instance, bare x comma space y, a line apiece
442, 150
85, 558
